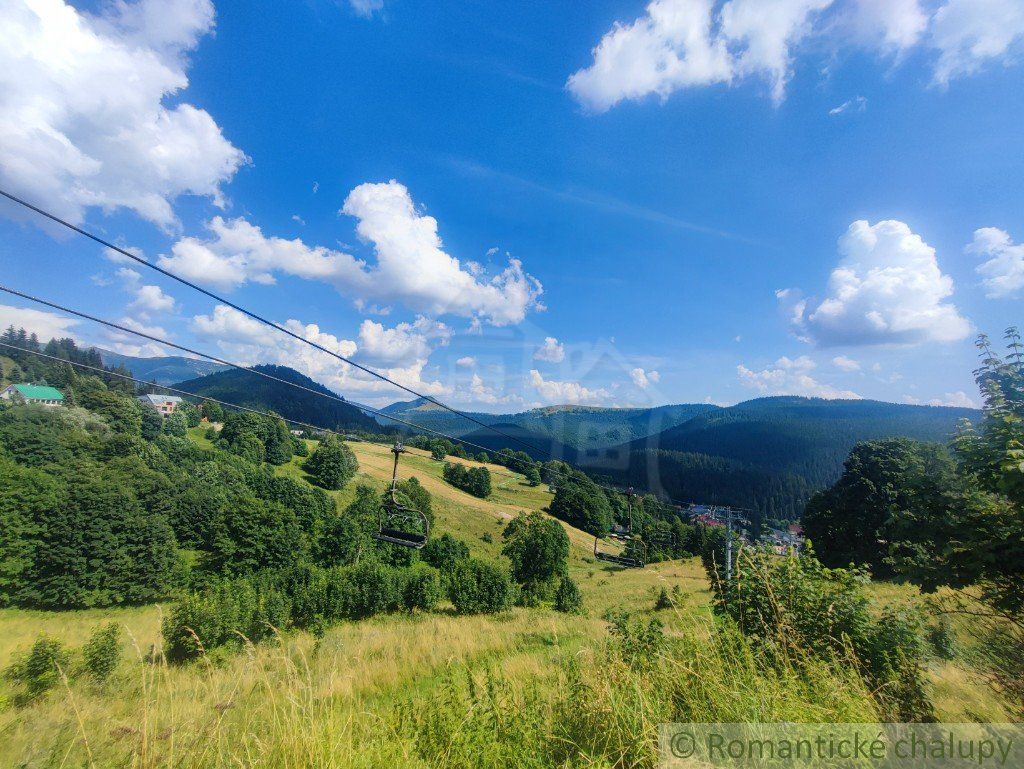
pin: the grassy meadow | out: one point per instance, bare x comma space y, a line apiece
527, 687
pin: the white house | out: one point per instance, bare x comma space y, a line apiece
165, 404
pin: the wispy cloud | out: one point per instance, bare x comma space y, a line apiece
593, 199
856, 104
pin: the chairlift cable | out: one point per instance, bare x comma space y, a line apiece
239, 366
255, 316
175, 390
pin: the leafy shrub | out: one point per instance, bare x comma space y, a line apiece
39, 670
102, 652
372, 588
479, 587
247, 446
580, 503
152, 424
444, 552
421, 587
190, 412
664, 601
176, 424
568, 598
212, 411
942, 639
269, 430
538, 548
250, 534
794, 606
332, 464
226, 614
472, 480
638, 644
417, 496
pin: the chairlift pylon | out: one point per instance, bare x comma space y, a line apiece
396, 522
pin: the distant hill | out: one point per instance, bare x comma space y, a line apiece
588, 427
163, 370
785, 447
246, 389
431, 416
540, 447
581, 427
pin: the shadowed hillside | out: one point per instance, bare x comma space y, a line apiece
247, 389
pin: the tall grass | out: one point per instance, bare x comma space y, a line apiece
524, 689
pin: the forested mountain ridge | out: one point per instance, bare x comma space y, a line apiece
807, 436
768, 454
581, 427
246, 389
164, 370
588, 427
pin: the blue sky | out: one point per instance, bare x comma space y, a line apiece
679, 202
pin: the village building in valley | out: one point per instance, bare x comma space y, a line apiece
41, 395
165, 404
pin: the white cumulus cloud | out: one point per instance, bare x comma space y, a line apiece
790, 376
467, 361
411, 266
679, 44
886, 289
246, 341
644, 379
480, 392
843, 363
552, 351
959, 399
1003, 272
151, 299
238, 252
971, 33
403, 344
86, 111
554, 392
47, 325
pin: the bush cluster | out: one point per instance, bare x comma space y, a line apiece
794, 607
35, 671
256, 607
472, 480
332, 464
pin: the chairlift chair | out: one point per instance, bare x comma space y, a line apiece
625, 561
397, 523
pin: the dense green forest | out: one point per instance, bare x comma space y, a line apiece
770, 454
100, 505
245, 389
809, 437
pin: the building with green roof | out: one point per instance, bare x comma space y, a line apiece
37, 394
